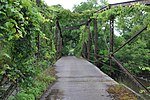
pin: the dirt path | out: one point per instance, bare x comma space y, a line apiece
79, 80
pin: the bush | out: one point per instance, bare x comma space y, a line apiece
38, 86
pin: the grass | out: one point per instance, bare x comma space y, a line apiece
119, 92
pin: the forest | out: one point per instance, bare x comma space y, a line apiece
33, 36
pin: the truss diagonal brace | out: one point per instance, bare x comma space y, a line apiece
128, 41
130, 75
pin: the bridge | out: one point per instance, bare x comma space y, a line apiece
87, 46
78, 79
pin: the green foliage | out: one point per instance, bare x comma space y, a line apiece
21, 22
128, 20
46, 79
107, 69
89, 5
24, 96
33, 92
39, 85
135, 55
83, 39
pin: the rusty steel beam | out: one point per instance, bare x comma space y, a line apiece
56, 36
76, 27
129, 3
99, 56
9, 91
59, 37
89, 40
128, 41
130, 75
111, 40
104, 8
95, 38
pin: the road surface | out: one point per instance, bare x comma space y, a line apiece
78, 79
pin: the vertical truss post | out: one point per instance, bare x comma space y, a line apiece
111, 41
60, 46
89, 41
59, 38
38, 37
96, 39
56, 39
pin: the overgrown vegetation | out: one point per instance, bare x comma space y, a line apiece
26, 44
119, 92
40, 84
128, 20
33, 35
20, 25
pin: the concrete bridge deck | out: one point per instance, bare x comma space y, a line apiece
78, 79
